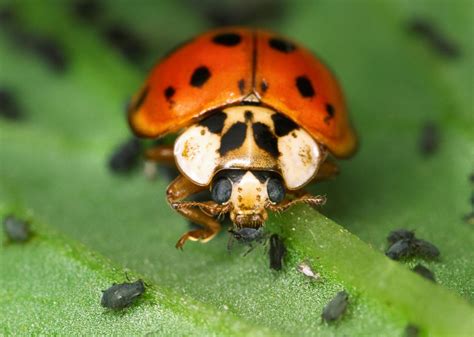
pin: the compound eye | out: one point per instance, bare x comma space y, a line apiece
221, 190
275, 190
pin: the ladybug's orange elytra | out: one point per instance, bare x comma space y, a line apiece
226, 66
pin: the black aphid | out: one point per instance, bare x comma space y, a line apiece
411, 331
400, 234
247, 235
400, 249
425, 272
336, 307
439, 43
88, 11
119, 296
126, 42
277, 252
425, 249
16, 230
403, 243
126, 156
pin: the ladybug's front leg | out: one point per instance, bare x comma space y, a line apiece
180, 189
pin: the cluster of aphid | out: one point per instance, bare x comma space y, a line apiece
404, 244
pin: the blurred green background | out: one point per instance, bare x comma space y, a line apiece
67, 71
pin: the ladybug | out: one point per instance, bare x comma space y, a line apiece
258, 117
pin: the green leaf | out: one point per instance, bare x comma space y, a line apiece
53, 168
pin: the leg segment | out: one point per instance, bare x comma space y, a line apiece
180, 189
162, 154
328, 170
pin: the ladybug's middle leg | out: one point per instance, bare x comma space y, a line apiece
328, 170
161, 154
182, 188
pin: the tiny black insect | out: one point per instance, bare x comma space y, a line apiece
336, 307
16, 230
88, 11
429, 139
435, 38
9, 107
124, 40
425, 272
401, 248
126, 156
411, 331
400, 234
425, 249
403, 243
119, 296
277, 252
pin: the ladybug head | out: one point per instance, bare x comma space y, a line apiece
247, 195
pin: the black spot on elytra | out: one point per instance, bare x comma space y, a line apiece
140, 100
265, 139
214, 122
263, 86
233, 138
9, 107
281, 45
248, 116
227, 39
88, 11
283, 125
330, 113
169, 92
122, 38
241, 85
304, 86
200, 76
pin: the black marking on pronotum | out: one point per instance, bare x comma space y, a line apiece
281, 45
200, 76
241, 86
283, 125
233, 138
140, 100
215, 122
265, 139
304, 86
227, 39
330, 113
248, 116
263, 86
277, 252
169, 92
